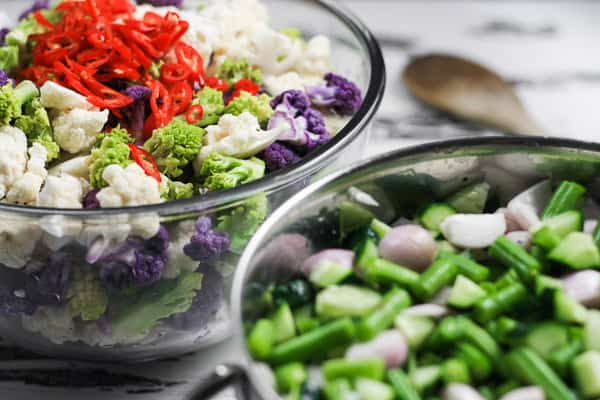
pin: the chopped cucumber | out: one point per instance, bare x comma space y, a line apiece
586, 369
329, 273
471, 199
567, 309
547, 337
339, 389
434, 214
590, 331
416, 329
369, 389
346, 301
425, 377
455, 370
565, 223
465, 293
261, 339
284, 327
577, 250
353, 217
545, 237
290, 376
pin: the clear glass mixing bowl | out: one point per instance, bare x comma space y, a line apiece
390, 186
43, 251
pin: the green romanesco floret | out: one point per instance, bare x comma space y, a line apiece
9, 58
175, 146
259, 106
243, 221
233, 71
88, 299
175, 190
213, 104
221, 172
111, 148
12, 100
36, 125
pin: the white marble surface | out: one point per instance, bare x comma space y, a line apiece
548, 49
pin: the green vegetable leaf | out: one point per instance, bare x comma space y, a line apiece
161, 300
244, 220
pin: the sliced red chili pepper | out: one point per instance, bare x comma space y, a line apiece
153, 20
194, 114
144, 159
181, 96
93, 58
72, 79
140, 56
218, 84
162, 113
40, 19
189, 56
247, 85
172, 73
50, 56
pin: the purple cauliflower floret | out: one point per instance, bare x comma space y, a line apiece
278, 156
162, 3
3, 33
135, 114
135, 262
49, 285
206, 244
90, 200
305, 126
37, 5
4, 79
341, 95
296, 101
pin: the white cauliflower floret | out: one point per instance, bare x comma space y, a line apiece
239, 136
58, 230
54, 323
316, 59
128, 187
27, 188
13, 157
79, 167
64, 191
76, 130
18, 237
178, 261
235, 18
273, 52
277, 84
53, 95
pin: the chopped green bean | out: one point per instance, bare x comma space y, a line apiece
383, 317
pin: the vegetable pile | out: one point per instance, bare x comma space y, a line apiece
102, 84
452, 302
108, 104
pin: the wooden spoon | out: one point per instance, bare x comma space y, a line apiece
469, 91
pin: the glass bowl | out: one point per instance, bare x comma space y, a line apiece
50, 293
390, 186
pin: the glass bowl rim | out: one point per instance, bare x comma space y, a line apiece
273, 181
